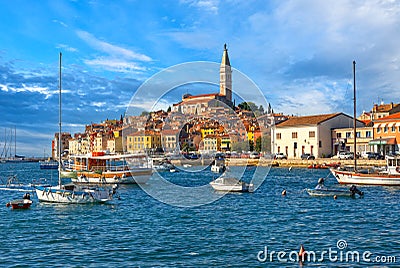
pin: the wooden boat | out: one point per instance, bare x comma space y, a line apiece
23, 203
335, 192
20, 204
388, 177
110, 169
317, 166
229, 184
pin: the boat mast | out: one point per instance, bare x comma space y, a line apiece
355, 120
59, 124
15, 142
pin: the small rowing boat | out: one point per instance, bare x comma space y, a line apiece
23, 203
322, 192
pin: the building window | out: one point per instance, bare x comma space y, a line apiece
279, 149
311, 134
358, 134
368, 134
338, 135
320, 144
393, 129
294, 135
385, 129
348, 135
378, 130
278, 136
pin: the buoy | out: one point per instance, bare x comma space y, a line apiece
335, 197
302, 253
284, 193
290, 168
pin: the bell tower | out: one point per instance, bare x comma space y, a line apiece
225, 76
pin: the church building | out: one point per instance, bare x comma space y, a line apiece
197, 104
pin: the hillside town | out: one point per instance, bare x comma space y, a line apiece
207, 124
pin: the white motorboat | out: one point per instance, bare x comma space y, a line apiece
218, 168
229, 184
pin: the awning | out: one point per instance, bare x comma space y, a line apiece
383, 141
377, 125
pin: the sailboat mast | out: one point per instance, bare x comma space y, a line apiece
355, 120
59, 124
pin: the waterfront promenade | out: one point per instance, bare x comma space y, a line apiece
284, 163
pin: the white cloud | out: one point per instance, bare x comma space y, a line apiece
207, 5
111, 49
115, 65
67, 48
24, 88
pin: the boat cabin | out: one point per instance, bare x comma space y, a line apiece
393, 165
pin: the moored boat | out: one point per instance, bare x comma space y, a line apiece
70, 193
23, 203
218, 168
75, 194
229, 184
334, 192
48, 164
388, 177
110, 169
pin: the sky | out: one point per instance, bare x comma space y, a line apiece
298, 53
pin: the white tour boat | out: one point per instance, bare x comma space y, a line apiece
100, 168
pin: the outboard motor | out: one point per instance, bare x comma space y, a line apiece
354, 190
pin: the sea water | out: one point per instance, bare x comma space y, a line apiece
260, 229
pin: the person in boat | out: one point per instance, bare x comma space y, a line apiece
354, 190
27, 196
320, 185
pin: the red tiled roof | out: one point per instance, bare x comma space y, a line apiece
307, 120
395, 117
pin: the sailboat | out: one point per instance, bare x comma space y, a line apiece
388, 177
71, 193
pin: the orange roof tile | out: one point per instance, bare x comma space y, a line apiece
307, 120
395, 117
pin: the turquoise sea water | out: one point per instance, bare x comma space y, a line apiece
139, 231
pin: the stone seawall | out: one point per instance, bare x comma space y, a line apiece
282, 163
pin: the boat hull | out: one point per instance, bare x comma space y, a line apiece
379, 179
224, 185
130, 177
56, 194
20, 204
329, 192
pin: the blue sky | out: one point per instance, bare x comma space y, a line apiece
299, 53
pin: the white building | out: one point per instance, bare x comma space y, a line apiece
309, 134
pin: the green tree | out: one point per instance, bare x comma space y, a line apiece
144, 113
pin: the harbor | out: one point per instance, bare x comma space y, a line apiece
138, 230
